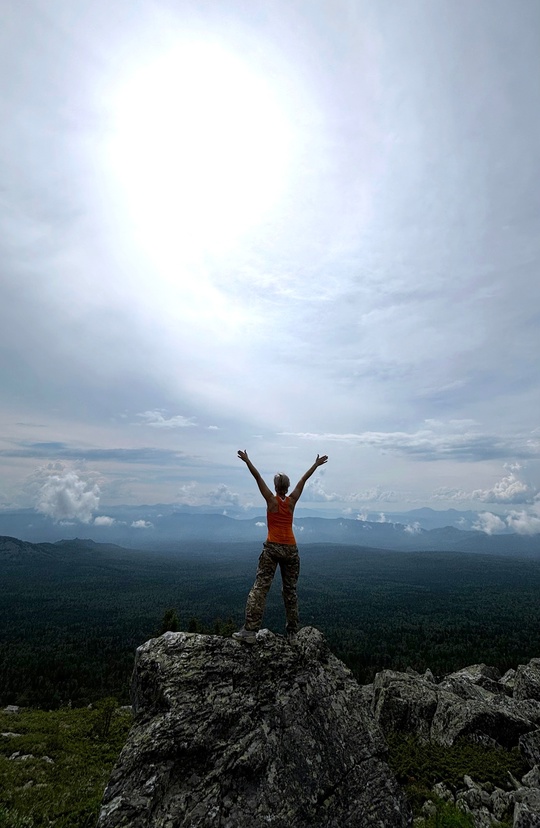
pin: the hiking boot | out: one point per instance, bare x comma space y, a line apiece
245, 636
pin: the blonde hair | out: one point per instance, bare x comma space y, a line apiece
281, 483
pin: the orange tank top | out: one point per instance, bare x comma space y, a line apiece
280, 524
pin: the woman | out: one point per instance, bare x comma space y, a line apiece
279, 548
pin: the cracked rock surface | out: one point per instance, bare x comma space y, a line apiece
231, 735
472, 703
476, 704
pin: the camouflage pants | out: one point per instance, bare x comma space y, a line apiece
289, 563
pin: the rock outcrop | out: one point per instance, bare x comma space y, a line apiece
228, 735
476, 704
234, 736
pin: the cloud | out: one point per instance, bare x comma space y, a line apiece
450, 493
489, 523
142, 524
222, 495
364, 360
186, 493
66, 497
155, 419
508, 490
104, 520
524, 523
375, 495
62, 451
413, 528
457, 439
513, 467
315, 492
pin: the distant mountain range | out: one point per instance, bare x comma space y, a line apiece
161, 526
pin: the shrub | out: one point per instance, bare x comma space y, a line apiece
423, 764
448, 816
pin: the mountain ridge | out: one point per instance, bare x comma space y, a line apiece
158, 528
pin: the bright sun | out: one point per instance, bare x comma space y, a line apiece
200, 147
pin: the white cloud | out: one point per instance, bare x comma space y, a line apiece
186, 493
456, 439
449, 493
155, 419
66, 496
489, 523
377, 494
513, 467
508, 490
260, 523
223, 495
142, 524
413, 528
524, 523
315, 492
104, 520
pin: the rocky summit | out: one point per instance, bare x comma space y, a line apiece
229, 735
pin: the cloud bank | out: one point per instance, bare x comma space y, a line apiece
458, 440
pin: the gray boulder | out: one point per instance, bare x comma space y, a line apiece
495, 721
502, 804
529, 797
479, 676
508, 681
529, 746
245, 736
466, 704
527, 680
532, 778
442, 791
524, 817
404, 702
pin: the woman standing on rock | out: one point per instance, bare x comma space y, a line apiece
279, 548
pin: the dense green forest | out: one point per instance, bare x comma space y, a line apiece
72, 615
71, 619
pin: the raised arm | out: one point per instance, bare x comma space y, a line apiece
263, 488
299, 488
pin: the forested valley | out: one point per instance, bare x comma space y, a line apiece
72, 616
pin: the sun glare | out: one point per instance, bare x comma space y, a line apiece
199, 148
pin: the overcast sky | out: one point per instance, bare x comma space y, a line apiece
291, 227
